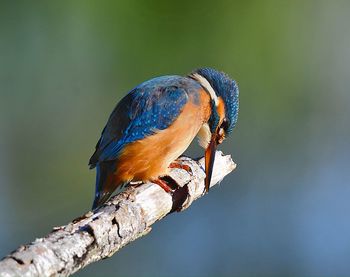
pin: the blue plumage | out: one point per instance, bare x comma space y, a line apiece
151, 106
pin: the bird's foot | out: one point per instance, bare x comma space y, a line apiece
181, 166
166, 183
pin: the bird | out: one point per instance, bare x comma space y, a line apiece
156, 122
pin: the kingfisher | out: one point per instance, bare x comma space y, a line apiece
156, 122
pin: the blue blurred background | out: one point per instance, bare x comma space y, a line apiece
284, 211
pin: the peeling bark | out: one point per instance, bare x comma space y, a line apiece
124, 218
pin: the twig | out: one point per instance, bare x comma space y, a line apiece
99, 234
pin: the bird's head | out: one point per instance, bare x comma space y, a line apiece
223, 92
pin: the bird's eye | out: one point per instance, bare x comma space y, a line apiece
224, 124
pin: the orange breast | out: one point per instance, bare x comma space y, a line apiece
150, 157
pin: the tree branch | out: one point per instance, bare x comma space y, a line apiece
99, 234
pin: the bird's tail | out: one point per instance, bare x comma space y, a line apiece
105, 183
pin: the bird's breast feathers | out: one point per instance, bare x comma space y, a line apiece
150, 157
147, 109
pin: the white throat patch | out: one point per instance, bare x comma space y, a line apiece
204, 83
204, 135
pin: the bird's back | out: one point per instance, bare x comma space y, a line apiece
151, 106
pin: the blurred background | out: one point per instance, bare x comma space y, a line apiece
283, 212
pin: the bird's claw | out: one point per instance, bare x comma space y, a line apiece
167, 183
181, 166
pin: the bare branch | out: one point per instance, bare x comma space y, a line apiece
99, 234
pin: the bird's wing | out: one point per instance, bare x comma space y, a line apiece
151, 106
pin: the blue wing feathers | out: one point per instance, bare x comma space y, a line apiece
149, 107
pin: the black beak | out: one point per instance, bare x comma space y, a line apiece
209, 161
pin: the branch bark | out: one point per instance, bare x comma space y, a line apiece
99, 234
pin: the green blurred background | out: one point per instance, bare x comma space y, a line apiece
284, 211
